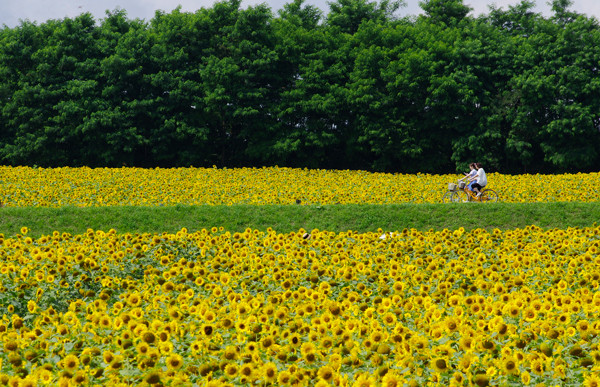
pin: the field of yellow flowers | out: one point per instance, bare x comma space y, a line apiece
318, 308
56, 187
215, 307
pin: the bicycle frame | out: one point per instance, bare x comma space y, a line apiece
487, 195
472, 195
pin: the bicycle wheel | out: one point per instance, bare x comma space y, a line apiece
458, 197
488, 196
447, 196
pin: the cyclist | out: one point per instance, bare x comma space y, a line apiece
469, 175
479, 180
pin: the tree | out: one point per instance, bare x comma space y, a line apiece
55, 92
447, 12
347, 15
313, 113
181, 41
239, 82
17, 64
122, 129
562, 14
483, 66
424, 109
518, 20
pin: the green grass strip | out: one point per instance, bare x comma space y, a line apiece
362, 218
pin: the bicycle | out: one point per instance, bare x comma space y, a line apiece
459, 193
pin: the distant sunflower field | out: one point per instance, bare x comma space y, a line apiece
213, 307
56, 187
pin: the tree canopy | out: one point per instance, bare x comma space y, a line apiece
354, 88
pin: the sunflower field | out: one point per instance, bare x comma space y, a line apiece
213, 307
56, 187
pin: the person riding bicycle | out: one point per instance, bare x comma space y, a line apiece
479, 180
469, 175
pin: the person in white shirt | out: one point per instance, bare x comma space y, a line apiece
479, 180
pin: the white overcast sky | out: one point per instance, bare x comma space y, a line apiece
13, 11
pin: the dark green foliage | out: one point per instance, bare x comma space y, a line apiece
354, 88
447, 12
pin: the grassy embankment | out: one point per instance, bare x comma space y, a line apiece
362, 218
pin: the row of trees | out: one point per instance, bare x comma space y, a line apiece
355, 88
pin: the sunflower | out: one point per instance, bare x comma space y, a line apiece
44, 376
148, 337
231, 370
210, 316
458, 378
11, 345
546, 348
295, 340
326, 342
31, 306
217, 292
377, 337
365, 380
525, 378
513, 310
564, 318
418, 343
591, 380
311, 357
529, 314
467, 361
560, 371
242, 326
116, 363
174, 361
134, 299
437, 332
440, 365
583, 326
267, 342
444, 350
510, 365
28, 381
62, 329
70, 363
501, 329
247, 371
224, 278
487, 345
231, 353
269, 372
80, 378
481, 380
152, 377
15, 359
391, 379
108, 356
326, 373
466, 343
537, 367
284, 377
105, 322
142, 348
398, 286
451, 324
307, 347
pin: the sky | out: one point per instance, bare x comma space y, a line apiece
38, 11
